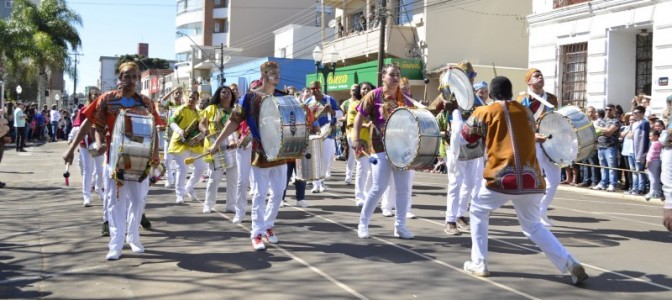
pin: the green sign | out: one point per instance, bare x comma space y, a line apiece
368, 71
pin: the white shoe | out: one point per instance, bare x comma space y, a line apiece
363, 231
207, 209
136, 247
237, 220
478, 270
302, 203
283, 203
611, 188
113, 255
87, 203
402, 233
359, 202
410, 215
316, 189
546, 221
323, 188
271, 237
348, 182
167, 184
192, 195
387, 212
179, 200
258, 243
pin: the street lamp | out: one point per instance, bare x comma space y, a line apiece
18, 93
322, 68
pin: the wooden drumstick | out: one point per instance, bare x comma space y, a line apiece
190, 160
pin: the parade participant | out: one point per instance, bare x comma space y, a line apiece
213, 118
378, 105
266, 174
481, 91
363, 166
539, 102
187, 141
92, 167
167, 107
350, 156
326, 110
666, 170
299, 183
125, 198
511, 172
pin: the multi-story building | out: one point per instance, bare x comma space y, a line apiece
599, 52
108, 77
425, 36
207, 28
153, 82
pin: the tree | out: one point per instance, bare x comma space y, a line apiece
143, 62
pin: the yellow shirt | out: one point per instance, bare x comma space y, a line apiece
364, 133
216, 117
183, 117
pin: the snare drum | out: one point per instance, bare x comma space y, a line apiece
412, 138
132, 146
570, 135
309, 166
223, 159
455, 82
282, 126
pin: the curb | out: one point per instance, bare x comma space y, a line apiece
618, 194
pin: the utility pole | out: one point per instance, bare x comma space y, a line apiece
222, 79
381, 42
74, 79
323, 18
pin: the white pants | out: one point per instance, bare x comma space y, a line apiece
243, 161
168, 161
181, 177
527, 211
125, 206
328, 153
552, 178
90, 167
263, 216
666, 175
363, 177
389, 199
350, 162
382, 171
461, 185
213, 185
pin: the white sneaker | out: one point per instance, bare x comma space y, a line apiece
87, 203
323, 188
283, 203
478, 270
363, 231
113, 255
237, 220
316, 189
410, 215
577, 271
302, 203
402, 233
348, 182
136, 247
207, 209
179, 200
546, 221
167, 184
258, 243
387, 212
192, 195
271, 237
611, 188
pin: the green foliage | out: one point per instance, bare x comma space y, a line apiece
143, 62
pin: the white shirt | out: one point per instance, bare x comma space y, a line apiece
54, 115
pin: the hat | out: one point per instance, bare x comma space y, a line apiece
529, 74
501, 88
480, 85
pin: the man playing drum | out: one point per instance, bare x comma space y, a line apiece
125, 198
265, 173
167, 108
326, 111
378, 105
187, 141
511, 172
539, 102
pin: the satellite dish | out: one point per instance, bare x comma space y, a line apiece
332, 23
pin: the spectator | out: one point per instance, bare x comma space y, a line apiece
668, 109
39, 125
627, 153
607, 148
659, 125
653, 166
55, 118
640, 143
362, 23
591, 174
20, 126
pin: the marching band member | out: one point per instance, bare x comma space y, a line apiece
187, 141
540, 102
214, 116
266, 174
363, 166
378, 105
355, 96
92, 167
125, 198
326, 110
167, 108
511, 173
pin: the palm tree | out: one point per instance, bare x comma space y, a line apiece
45, 34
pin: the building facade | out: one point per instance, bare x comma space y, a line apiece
598, 52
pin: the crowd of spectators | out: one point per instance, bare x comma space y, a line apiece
41, 125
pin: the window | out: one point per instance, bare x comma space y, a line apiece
574, 59
644, 59
188, 5
220, 26
563, 3
404, 11
183, 56
190, 29
220, 3
8, 3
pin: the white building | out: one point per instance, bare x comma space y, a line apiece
603, 51
107, 79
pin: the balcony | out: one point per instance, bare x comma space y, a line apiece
220, 38
563, 3
362, 46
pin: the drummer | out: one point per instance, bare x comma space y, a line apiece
540, 102
363, 166
326, 110
378, 105
125, 198
265, 173
181, 148
213, 118
167, 107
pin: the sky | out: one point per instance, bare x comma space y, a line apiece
115, 27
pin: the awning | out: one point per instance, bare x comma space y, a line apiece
368, 71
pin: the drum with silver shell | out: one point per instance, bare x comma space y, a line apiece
570, 135
455, 83
282, 127
309, 166
132, 145
412, 138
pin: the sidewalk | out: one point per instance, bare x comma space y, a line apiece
618, 194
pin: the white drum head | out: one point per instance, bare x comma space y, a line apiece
457, 82
270, 127
563, 145
402, 136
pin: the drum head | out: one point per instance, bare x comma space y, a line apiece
270, 127
117, 138
401, 129
563, 145
457, 83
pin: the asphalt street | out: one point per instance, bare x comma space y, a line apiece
51, 247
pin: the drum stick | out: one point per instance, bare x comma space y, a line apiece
190, 160
66, 175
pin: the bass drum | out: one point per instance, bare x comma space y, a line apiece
412, 138
282, 128
454, 82
570, 135
309, 166
132, 146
